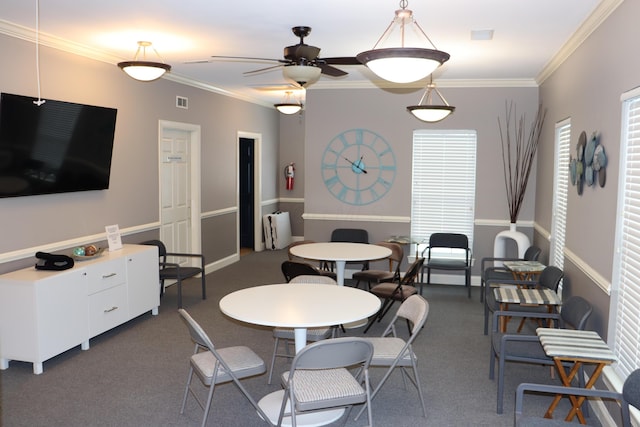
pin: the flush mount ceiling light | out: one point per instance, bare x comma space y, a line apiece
402, 64
429, 112
288, 107
302, 74
144, 70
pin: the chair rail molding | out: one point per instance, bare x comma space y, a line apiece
345, 217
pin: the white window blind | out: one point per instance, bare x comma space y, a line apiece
560, 192
444, 183
625, 292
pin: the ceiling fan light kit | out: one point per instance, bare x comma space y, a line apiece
144, 70
302, 74
428, 111
403, 64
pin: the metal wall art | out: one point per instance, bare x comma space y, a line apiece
589, 165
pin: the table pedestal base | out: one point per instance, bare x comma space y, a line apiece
271, 403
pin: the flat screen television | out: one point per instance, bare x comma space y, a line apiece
57, 147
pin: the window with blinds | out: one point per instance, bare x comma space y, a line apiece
625, 290
560, 193
444, 183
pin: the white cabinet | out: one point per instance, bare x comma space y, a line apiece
44, 313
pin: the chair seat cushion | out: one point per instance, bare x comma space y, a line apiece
521, 349
446, 264
242, 361
386, 349
325, 387
185, 272
374, 276
387, 290
497, 274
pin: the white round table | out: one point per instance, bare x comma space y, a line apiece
340, 253
299, 306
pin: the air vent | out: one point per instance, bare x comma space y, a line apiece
182, 102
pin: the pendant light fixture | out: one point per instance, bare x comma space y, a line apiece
288, 107
426, 110
403, 64
144, 70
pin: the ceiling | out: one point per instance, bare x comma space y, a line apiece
529, 36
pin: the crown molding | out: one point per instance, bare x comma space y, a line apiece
597, 17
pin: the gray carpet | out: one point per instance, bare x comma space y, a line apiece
135, 374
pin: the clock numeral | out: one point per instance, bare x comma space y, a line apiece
331, 181
342, 194
330, 166
359, 137
385, 183
345, 143
374, 194
387, 167
358, 198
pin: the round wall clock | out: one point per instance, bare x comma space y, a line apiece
358, 167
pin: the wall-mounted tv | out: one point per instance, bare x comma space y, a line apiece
57, 147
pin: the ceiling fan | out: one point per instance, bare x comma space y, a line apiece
302, 56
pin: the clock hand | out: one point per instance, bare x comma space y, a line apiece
357, 165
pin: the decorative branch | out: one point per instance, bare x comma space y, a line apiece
518, 153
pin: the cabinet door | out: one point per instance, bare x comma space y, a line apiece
61, 311
143, 283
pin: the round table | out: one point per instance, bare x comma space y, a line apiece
340, 253
299, 306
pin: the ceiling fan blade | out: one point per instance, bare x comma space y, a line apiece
331, 70
261, 70
248, 58
342, 60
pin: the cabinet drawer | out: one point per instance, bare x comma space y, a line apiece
107, 309
106, 275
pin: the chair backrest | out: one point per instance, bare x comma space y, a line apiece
532, 253
353, 235
449, 240
198, 335
631, 389
414, 269
397, 253
550, 277
162, 249
313, 279
415, 309
333, 353
575, 312
291, 269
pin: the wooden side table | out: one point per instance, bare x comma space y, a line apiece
578, 348
524, 270
531, 297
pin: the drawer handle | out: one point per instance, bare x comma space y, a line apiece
109, 310
106, 276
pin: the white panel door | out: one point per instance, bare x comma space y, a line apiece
175, 191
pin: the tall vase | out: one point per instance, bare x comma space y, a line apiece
502, 238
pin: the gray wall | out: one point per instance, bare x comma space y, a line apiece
329, 112
30, 223
587, 89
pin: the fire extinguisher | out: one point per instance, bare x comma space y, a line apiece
288, 175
